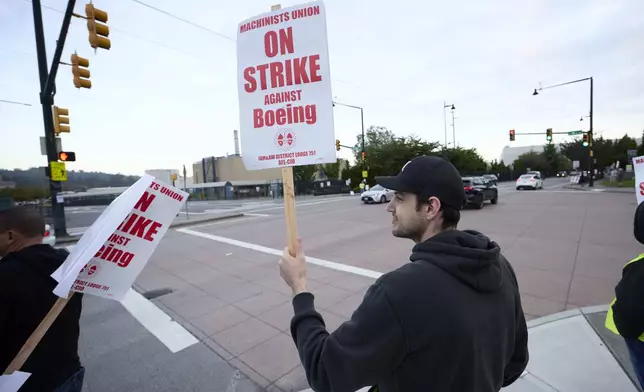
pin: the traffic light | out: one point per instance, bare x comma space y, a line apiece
98, 31
549, 134
364, 155
586, 140
80, 72
337, 145
511, 135
67, 156
61, 120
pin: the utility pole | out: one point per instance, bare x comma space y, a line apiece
47, 91
362, 153
445, 106
453, 129
591, 158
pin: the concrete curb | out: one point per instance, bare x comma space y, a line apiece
74, 238
566, 314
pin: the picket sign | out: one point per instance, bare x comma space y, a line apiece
285, 98
112, 252
638, 168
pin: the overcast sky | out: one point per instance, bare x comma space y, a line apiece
165, 94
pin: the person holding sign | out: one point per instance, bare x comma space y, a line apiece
625, 315
25, 298
451, 320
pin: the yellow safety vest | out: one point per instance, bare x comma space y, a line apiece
610, 321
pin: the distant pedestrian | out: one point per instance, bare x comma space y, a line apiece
449, 321
25, 298
626, 314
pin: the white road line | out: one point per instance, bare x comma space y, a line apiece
155, 320
231, 220
259, 248
281, 206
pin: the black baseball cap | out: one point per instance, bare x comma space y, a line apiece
428, 176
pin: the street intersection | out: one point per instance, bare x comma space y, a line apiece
220, 280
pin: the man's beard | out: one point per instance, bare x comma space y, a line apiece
413, 230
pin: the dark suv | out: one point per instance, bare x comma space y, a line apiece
478, 190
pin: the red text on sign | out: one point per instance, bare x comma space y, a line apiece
642, 188
144, 202
171, 194
285, 96
118, 239
282, 116
140, 226
639, 160
114, 255
302, 70
279, 42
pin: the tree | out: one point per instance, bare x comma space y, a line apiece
530, 160
386, 153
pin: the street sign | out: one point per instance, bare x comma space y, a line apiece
631, 153
365, 174
43, 146
575, 133
58, 172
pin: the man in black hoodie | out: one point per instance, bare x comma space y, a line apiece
25, 298
449, 321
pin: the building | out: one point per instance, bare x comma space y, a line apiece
230, 168
510, 154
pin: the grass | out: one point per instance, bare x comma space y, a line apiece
625, 184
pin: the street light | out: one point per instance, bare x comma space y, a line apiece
361, 120
445, 106
591, 168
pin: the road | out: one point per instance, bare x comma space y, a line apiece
222, 282
79, 218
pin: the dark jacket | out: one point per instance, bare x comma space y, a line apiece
449, 321
628, 309
25, 298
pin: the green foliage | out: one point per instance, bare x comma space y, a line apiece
388, 153
606, 151
549, 161
24, 193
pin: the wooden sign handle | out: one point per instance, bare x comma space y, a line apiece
37, 335
289, 196
289, 208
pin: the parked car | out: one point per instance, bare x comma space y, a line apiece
377, 194
49, 238
530, 181
491, 177
479, 190
562, 173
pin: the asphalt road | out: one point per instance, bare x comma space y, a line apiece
79, 218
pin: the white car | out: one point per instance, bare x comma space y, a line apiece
377, 194
49, 238
529, 181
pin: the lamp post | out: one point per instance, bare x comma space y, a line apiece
445, 122
361, 121
591, 168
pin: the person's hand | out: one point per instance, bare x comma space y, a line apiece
293, 269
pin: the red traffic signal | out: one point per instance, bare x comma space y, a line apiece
364, 155
511, 135
67, 156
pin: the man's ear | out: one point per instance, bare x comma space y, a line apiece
434, 206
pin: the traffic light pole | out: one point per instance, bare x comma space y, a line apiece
591, 159
47, 88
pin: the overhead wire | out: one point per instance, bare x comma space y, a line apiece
186, 21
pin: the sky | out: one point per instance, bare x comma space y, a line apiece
165, 94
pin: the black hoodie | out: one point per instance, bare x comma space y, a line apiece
449, 321
25, 298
